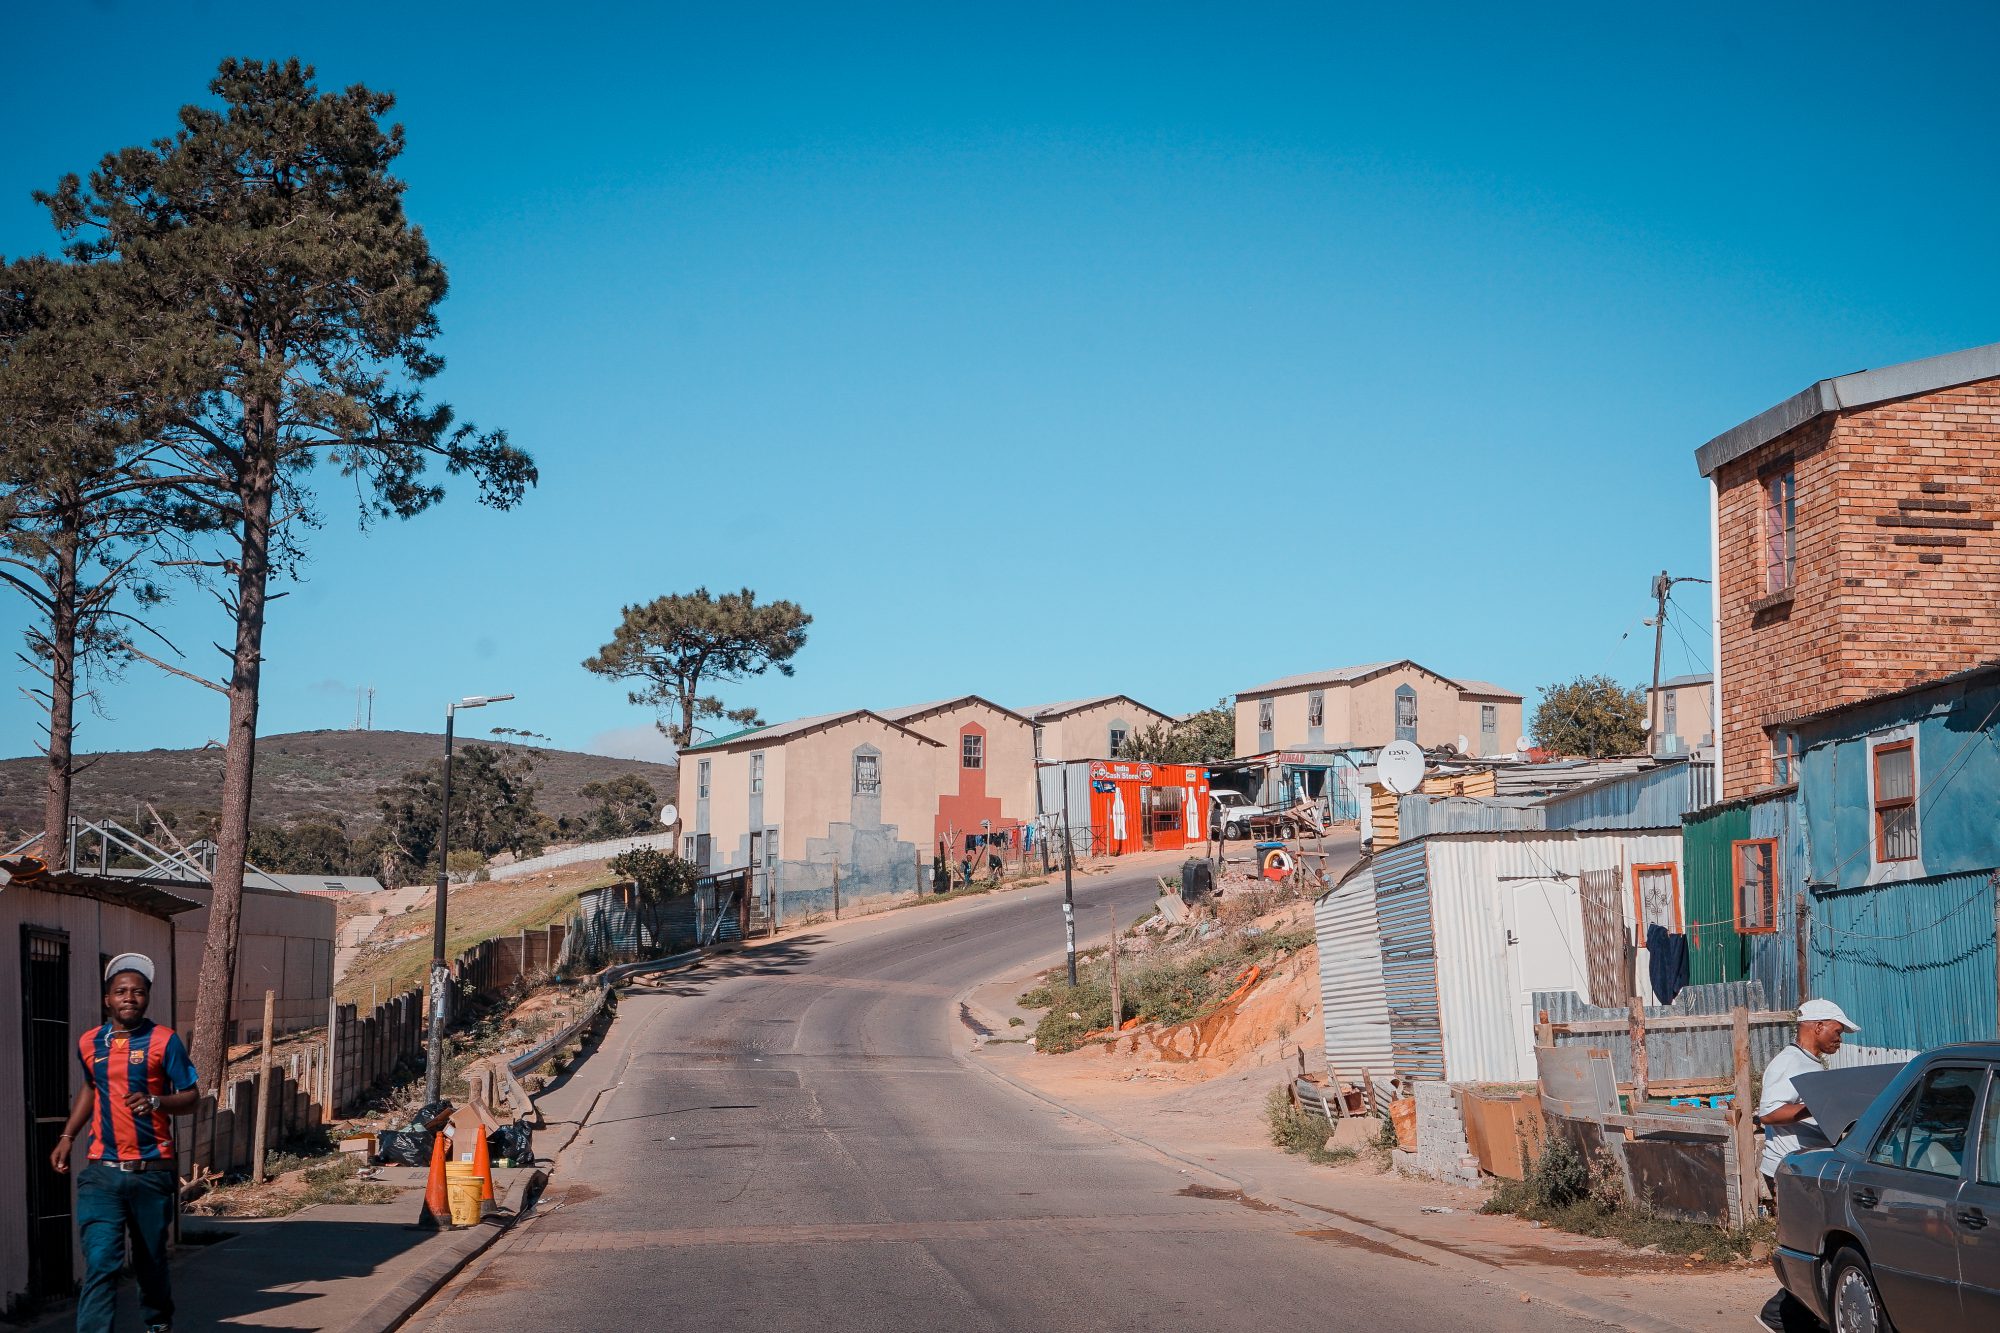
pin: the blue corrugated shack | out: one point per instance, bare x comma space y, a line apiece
1896, 804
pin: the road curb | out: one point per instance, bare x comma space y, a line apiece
454, 1250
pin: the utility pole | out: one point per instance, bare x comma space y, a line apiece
1663, 588
1069, 879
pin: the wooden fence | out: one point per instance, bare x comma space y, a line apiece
354, 1056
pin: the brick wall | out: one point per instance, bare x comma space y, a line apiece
1898, 565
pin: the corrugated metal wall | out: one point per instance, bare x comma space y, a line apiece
1912, 962
1409, 962
1651, 798
1693, 1053
1774, 959
1508, 923
1418, 815
1708, 896
1354, 1012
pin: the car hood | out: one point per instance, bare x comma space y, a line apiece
1839, 1097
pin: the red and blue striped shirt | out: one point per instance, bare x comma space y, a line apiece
149, 1059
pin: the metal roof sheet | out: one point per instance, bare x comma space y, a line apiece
798, 726
1044, 712
909, 712
1863, 388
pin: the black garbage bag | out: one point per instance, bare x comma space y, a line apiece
432, 1114
404, 1147
515, 1142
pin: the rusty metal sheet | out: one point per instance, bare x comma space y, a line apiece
1604, 938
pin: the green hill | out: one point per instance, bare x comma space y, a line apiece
300, 775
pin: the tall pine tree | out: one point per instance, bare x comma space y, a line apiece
282, 308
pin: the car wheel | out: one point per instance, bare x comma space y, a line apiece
1852, 1299
1236, 831
1287, 830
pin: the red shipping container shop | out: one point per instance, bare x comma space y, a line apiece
1146, 807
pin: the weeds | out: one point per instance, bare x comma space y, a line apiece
1302, 1132
1586, 1196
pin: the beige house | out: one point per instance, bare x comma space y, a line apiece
1371, 705
1684, 710
1093, 728
985, 779
794, 800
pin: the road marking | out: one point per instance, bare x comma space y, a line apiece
889, 1233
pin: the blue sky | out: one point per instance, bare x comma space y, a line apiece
1048, 351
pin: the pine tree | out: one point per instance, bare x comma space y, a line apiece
282, 308
676, 644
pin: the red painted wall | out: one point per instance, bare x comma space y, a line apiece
1128, 783
959, 811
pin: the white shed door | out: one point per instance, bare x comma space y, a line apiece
1547, 952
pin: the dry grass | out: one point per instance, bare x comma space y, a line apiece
399, 954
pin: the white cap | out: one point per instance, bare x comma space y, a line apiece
1826, 1011
130, 962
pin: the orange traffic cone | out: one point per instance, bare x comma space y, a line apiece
482, 1162
437, 1199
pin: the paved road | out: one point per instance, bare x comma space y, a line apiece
793, 1141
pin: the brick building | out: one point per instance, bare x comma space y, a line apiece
1854, 549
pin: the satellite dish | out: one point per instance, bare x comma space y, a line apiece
1464, 745
1400, 766
1646, 725
1521, 745
669, 816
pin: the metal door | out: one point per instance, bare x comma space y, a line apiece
46, 1055
1903, 1197
1976, 1222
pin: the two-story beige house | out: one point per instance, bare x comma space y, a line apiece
1370, 705
984, 781
1093, 728
1684, 710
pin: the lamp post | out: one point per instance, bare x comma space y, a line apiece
440, 972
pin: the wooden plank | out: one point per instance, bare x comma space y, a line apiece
1637, 1027
1672, 1023
1704, 1123
1749, 1142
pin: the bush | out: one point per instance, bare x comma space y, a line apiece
1300, 1131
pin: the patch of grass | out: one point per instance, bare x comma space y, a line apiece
1302, 1132
1584, 1196
1169, 989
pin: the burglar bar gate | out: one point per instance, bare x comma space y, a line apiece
46, 1053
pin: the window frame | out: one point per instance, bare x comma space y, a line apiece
874, 760
1489, 719
1114, 741
1905, 745
1770, 846
1968, 1162
971, 750
1316, 708
1266, 713
757, 773
1405, 693
1778, 520
1639, 900
704, 771
1784, 756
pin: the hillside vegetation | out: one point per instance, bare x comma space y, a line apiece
303, 775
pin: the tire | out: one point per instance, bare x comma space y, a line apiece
1235, 831
1852, 1301
1287, 830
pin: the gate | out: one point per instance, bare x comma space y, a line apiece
46, 1054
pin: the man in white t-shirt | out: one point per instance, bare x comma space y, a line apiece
1786, 1123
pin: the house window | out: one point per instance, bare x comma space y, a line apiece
1756, 880
972, 749
1780, 532
1316, 709
702, 771
770, 846
1896, 802
1406, 713
867, 774
1489, 719
756, 774
1117, 742
1656, 900
1670, 713
1264, 714
687, 848
1038, 742
1784, 758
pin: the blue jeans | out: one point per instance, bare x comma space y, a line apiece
112, 1205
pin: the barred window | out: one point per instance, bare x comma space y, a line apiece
1896, 802
867, 774
1316, 709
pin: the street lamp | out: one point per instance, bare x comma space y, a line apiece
440, 972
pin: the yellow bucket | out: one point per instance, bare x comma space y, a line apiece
464, 1186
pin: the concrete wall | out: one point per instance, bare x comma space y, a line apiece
94, 929
1507, 724
876, 840
1002, 789
732, 811
284, 943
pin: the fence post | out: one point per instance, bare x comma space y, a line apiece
1638, 1031
1749, 1148
331, 1062
263, 1091
836, 889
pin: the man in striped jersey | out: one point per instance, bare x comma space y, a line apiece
136, 1077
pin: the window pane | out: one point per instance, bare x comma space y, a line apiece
1264, 715
1929, 1132
1656, 900
1989, 1138
867, 773
1899, 834
1117, 743
972, 751
1315, 709
1489, 718
1753, 877
1894, 775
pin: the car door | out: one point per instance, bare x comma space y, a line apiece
1977, 1219
1903, 1198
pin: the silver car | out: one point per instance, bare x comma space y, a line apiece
1897, 1226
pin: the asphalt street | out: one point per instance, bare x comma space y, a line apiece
793, 1138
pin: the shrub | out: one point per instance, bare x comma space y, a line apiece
1300, 1131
